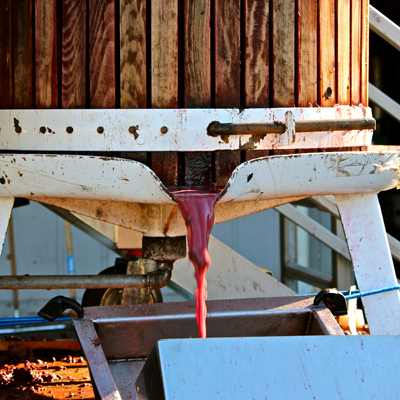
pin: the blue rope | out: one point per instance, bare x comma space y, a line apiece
28, 321
355, 295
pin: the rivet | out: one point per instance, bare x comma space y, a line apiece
132, 129
70, 129
42, 129
164, 129
100, 129
18, 129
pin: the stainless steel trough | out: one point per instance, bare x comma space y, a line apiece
117, 340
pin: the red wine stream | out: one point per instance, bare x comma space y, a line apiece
197, 208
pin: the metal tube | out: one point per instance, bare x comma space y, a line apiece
263, 128
153, 280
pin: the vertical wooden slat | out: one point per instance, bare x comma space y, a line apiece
257, 69
227, 53
164, 53
197, 53
227, 75
284, 53
73, 65
355, 89
256, 85
46, 53
5, 55
102, 53
307, 17
343, 52
197, 81
133, 54
164, 78
364, 51
327, 53
23, 36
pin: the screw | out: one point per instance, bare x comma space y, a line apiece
42, 129
100, 129
70, 129
18, 129
164, 129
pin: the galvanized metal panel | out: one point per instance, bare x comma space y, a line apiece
140, 129
322, 367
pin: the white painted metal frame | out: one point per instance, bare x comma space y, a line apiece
186, 129
128, 193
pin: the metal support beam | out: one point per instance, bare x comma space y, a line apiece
384, 27
372, 262
314, 229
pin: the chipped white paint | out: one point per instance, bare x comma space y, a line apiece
186, 129
6, 205
127, 193
373, 266
80, 177
312, 174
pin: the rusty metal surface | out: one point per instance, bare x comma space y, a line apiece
263, 128
126, 334
97, 362
164, 248
131, 331
152, 280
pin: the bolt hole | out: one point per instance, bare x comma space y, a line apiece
70, 129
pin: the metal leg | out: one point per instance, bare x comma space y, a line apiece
372, 261
6, 205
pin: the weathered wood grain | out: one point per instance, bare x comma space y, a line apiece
227, 76
327, 53
256, 64
164, 53
198, 169
227, 53
164, 77
73, 64
355, 83
102, 53
5, 55
283, 44
23, 40
225, 164
364, 51
251, 154
197, 71
307, 21
133, 54
46, 54
343, 52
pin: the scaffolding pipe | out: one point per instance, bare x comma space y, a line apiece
153, 280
